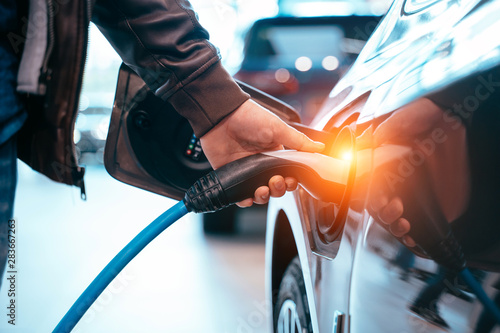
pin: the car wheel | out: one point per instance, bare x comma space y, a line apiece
291, 312
221, 222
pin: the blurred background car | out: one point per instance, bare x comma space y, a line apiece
300, 59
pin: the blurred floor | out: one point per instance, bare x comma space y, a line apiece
182, 282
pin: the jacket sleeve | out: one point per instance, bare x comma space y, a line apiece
165, 44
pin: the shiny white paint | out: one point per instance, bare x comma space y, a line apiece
287, 204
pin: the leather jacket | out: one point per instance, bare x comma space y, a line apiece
161, 40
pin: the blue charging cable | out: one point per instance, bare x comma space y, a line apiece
237, 181
478, 290
115, 266
162, 222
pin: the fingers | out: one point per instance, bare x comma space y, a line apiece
389, 213
291, 183
409, 121
392, 211
400, 227
405, 124
291, 138
378, 202
408, 241
261, 195
364, 141
277, 187
245, 203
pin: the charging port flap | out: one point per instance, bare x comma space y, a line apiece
150, 146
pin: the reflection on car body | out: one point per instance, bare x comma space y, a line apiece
422, 103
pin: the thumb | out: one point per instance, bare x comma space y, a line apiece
365, 140
291, 138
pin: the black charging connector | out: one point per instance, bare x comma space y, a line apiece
324, 177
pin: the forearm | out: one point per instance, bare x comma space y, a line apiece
165, 44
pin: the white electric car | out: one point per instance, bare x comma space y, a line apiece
417, 113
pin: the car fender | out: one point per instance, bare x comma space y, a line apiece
287, 205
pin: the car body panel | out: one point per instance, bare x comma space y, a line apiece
403, 68
380, 300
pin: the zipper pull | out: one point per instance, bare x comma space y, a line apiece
78, 181
83, 194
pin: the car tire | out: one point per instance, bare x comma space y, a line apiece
291, 309
221, 222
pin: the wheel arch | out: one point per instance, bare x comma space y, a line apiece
285, 239
283, 252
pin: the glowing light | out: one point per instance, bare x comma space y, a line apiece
347, 155
303, 64
330, 63
282, 75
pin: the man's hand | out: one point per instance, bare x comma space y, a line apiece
424, 128
414, 121
249, 130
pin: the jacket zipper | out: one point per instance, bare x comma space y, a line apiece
78, 170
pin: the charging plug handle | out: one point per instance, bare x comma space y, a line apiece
323, 177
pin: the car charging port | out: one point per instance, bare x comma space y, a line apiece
332, 216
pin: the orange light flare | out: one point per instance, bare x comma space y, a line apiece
347, 155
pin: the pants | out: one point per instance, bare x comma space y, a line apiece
8, 179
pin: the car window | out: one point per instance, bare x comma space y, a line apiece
291, 42
306, 43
